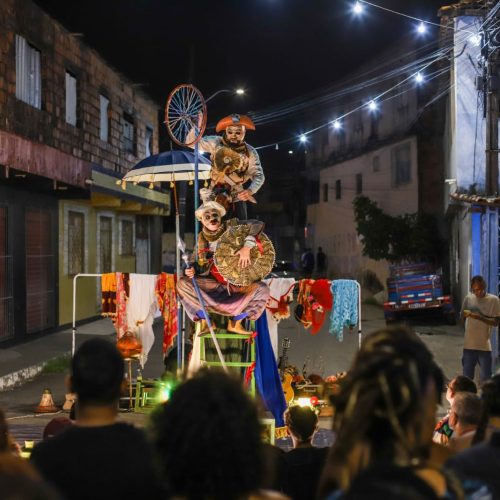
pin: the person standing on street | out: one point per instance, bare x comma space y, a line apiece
320, 262
481, 312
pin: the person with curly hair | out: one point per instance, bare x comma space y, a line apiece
207, 439
384, 419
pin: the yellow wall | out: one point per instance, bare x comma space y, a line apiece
88, 288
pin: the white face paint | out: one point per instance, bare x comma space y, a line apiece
235, 134
211, 219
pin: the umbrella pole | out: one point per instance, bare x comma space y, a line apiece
196, 194
178, 271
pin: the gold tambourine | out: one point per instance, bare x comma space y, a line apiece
227, 260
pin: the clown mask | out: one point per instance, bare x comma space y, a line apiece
211, 220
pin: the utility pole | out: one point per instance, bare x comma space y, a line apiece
492, 86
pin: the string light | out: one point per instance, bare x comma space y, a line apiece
290, 152
475, 40
358, 8
421, 28
418, 77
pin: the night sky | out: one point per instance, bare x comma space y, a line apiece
276, 49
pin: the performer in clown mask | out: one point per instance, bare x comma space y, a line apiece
219, 296
236, 173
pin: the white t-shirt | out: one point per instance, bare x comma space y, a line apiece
477, 333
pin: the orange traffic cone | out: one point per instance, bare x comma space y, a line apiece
46, 403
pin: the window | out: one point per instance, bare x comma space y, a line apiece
70, 99
126, 237
376, 164
325, 192
76, 243
149, 141
338, 189
105, 244
104, 118
359, 183
128, 133
28, 74
401, 164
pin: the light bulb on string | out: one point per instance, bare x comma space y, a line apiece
358, 8
336, 124
303, 138
421, 28
372, 105
475, 40
419, 78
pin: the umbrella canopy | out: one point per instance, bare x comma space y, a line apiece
169, 166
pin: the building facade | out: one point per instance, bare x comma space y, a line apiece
70, 127
391, 154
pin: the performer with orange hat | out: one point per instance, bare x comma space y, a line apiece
234, 164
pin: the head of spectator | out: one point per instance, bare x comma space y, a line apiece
465, 413
19, 480
97, 371
490, 416
7, 442
386, 409
56, 426
207, 439
460, 383
302, 424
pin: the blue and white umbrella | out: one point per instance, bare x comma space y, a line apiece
169, 166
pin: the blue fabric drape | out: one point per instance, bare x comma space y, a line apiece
267, 378
345, 306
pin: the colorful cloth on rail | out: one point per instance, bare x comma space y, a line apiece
142, 305
108, 291
226, 300
167, 303
122, 292
345, 306
278, 306
267, 378
314, 300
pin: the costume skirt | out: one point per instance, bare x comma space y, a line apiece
226, 300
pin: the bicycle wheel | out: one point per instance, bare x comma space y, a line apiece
185, 115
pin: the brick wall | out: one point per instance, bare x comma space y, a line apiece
61, 52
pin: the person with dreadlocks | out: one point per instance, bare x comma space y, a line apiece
237, 173
219, 296
384, 419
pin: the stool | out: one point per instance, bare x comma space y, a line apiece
221, 333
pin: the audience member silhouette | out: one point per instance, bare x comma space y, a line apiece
385, 416
208, 440
98, 457
304, 462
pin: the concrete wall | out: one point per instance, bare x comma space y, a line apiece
332, 222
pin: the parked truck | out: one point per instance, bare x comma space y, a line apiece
414, 289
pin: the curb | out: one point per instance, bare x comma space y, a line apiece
19, 377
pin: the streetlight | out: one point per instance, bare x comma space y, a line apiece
238, 91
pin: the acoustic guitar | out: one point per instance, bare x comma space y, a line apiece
286, 376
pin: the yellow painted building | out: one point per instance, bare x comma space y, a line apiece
115, 230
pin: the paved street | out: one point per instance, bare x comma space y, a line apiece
322, 354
